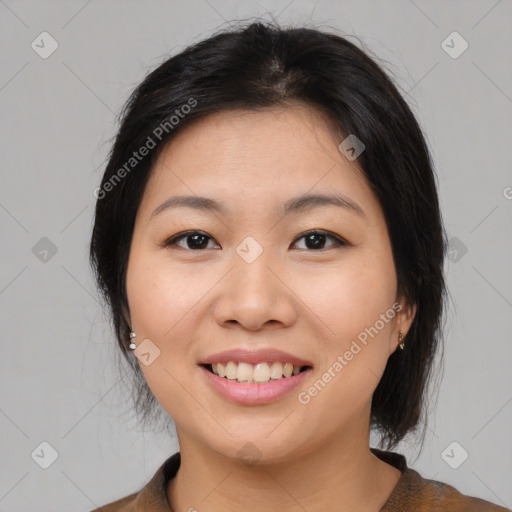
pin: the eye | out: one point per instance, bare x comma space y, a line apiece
194, 240
197, 240
316, 239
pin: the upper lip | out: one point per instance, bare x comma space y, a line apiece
270, 355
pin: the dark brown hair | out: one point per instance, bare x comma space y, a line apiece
264, 65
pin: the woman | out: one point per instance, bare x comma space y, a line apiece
269, 241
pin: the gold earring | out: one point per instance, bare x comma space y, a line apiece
400, 339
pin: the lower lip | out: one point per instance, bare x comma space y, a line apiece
254, 394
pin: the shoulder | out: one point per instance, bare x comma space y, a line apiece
125, 504
440, 496
432, 496
151, 496
413, 492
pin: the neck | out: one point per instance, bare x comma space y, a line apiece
341, 475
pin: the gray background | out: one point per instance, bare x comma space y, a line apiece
59, 383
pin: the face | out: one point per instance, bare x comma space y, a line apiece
255, 270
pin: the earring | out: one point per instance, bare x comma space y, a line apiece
132, 345
400, 339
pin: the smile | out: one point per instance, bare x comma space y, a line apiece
259, 373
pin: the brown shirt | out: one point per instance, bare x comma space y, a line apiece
411, 494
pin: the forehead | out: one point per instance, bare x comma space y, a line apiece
259, 156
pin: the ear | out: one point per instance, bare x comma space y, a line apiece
403, 321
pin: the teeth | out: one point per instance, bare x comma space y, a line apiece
260, 373
244, 372
231, 371
276, 371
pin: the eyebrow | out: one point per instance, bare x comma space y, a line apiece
295, 205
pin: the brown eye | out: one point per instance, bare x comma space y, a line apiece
193, 240
197, 240
316, 240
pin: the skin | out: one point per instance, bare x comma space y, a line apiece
192, 303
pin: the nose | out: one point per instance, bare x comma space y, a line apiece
255, 296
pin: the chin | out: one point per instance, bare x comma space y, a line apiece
260, 449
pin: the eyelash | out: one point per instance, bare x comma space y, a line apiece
338, 240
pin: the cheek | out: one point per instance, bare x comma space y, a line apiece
160, 300
159, 296
354, 303
350, 297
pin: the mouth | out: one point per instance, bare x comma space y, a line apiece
255, 384
259, 373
